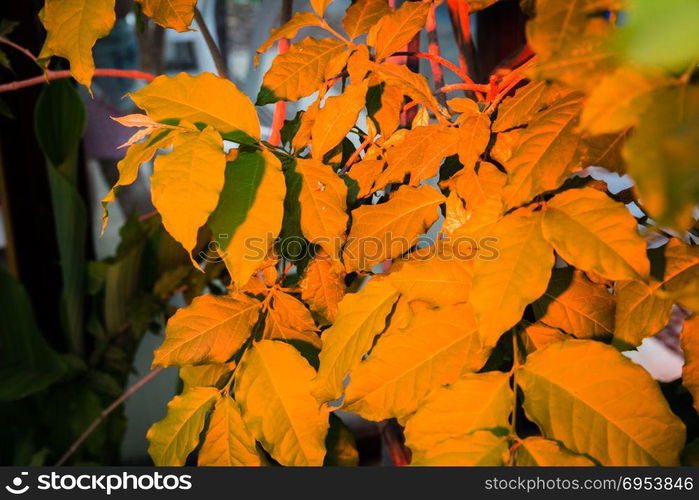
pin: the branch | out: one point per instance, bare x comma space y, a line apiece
436, 58
461, 25
279, 116
433, 49
105, 413
57, 75
213, 49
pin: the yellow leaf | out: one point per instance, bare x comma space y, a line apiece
323, 200
192, 171
336, 118
228, 443
210, 330
249, 213
571, 40
402, 369
604, 151
474, 402
362, 15
273, 386
320, 5
538, 335
289, 30
526, 102
619, 99
359, 64
576, 305
412, 84
215, 375
387, 116
594, 233
419, 155
543, 156
540, 452
481, 448
322, 287
385, 231
288, 319
308, 118
173, 438
438, 276
574, 386
661, 157
72, 28
175, 14
517, 275
205, 98
361, 317
474, 135
136, 155
689, 339
482, 192
399, 27
643, 309
365, 173
300, 72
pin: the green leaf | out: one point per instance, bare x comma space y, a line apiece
59, 120
662, 33
27, 363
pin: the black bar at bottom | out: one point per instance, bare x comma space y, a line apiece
361, 483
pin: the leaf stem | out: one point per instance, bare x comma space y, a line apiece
332, 30
355, 155
219, 61
105, 413
57, 75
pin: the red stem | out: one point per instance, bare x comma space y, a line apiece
275, 135
57, 75
459, 13
433, 49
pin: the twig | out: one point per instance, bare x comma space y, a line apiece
440, 60
353, 158
105, 413
18, 47
213, 49
476, 87
57, 75
275, 135
433, 49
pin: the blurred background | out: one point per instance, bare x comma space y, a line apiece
81, 312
